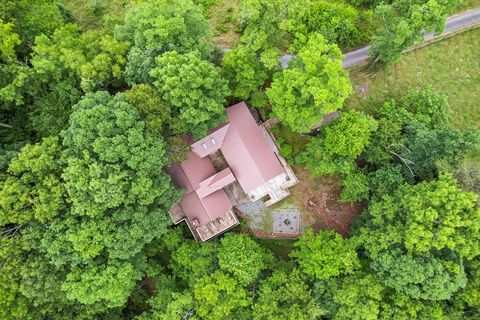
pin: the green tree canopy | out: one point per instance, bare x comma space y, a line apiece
194, 89
314, 84
325, 255
336, 150
9, 40
355, 297
157, 26
219, 296
286, 295
403, 24
243, 257
111, 160
417, 238
33, 188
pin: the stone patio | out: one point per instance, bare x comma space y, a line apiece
286, 221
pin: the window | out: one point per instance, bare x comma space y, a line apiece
204, 146
213, 141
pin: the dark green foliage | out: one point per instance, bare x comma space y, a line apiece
356, 296
417, 134
427, 147
421, 276
385, 180
147, 100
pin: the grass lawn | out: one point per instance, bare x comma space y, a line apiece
223, 18
467, 5
451, 67
88, 13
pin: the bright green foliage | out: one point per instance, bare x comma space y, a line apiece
12, 303
157, 26
204, 256
337, 148
111, 160
244, 71
349, 135
338, 22
167, 305
355, 297
402, 26
218, 296
286, 296
119, 195
325, 255
97, 59
194, 89
240, 255
8, 40
30, 18
467, 171
266, 28
355, 187
314, 84
434, 215
109, 283
417, 238
33, 188
471, 294
429, 108
399, 307
153, 111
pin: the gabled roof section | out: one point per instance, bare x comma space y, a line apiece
215, 182
247, 151
212, 142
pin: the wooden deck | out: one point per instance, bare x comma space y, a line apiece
217, 226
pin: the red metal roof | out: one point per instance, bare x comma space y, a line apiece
247, 151
210, 143
251, 161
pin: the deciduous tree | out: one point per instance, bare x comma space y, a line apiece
158, 26
194, 89
314, 84
243, 257
325, 255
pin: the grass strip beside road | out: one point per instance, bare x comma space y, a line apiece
451, 67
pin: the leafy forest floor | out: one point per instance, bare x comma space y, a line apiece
451, 66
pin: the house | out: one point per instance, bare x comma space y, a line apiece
240, 152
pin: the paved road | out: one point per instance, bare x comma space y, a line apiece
453, 23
